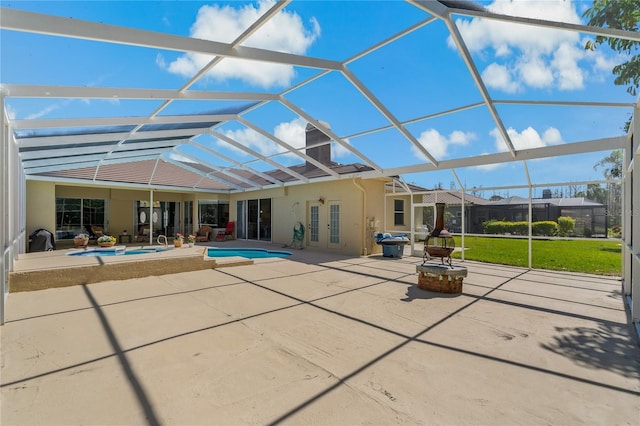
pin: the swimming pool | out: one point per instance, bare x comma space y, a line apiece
117, 251
250, 253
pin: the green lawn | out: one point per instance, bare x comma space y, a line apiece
590, 256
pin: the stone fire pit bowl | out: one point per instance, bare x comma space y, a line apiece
440, 278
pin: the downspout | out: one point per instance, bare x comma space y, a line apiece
364, 216
151, 217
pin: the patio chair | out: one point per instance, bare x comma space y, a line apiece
98, 231
94, 232
227, 234
203, 234
143, 234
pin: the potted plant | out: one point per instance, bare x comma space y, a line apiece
191, 239
81, 241
178, 239
106, 241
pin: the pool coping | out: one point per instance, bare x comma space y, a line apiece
43, 270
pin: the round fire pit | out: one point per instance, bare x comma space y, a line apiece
440, 278
441, 247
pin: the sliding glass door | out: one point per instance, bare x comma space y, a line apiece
253, 221
264, 220
241, 220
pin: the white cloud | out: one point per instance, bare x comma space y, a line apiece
528, 138
339, 151
46, 110
292, 132
565, 64
160, 62
602, 62
528, 56
251, 139
458, 137
552, 136
535, 72
285, 32
438, 145
173, 155
489, 167
498, 76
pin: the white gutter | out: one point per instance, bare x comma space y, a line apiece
364, 216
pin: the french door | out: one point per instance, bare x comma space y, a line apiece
324, 227
164, 217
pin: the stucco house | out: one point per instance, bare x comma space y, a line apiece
338, 214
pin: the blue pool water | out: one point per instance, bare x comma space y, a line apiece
117, 251
251, 253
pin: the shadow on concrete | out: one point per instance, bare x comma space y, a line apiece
136, 386
602, 347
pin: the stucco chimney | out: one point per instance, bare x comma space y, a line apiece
319, 153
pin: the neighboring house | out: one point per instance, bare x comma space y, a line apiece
453, 210
400, 218
591, 218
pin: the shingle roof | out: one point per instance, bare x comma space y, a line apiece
562, 202
146, 172
193, 175
453, 198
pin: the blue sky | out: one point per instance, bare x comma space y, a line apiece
416, 76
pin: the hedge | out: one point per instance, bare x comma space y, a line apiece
545, 227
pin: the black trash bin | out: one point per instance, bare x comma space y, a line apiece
41, 240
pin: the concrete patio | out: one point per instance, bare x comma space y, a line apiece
321, 339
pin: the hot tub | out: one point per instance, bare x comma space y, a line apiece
116, 251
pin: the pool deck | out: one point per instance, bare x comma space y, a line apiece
317, 338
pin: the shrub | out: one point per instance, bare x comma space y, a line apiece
566, 225
615, 231
545, 227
